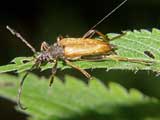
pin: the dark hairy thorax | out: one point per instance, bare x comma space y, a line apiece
55, 51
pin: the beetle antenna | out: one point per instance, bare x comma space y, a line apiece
110, 13
21, 87
21, 38
20, 91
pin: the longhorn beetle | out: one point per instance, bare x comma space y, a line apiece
67, 49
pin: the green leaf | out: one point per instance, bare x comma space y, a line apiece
132, 46
73, 99
17, 64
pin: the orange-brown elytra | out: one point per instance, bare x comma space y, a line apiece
68, 49
75, 48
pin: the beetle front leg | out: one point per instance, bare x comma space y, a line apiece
54, 70
44, 46
78, 68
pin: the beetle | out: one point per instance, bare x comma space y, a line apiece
69, 49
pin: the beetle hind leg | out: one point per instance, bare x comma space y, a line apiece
125, 59
85, 73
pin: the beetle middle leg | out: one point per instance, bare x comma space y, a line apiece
54, 70
78, 68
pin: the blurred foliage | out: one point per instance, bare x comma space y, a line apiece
76, 100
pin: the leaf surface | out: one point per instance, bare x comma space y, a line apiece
76, 100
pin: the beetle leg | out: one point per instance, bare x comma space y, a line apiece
117, 58
78, 68
54, 70
44, 46
90, 34
125, 59
105, 38
118, 36
93, 58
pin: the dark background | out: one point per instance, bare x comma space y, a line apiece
45, 20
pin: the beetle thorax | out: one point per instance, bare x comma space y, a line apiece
54, 52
